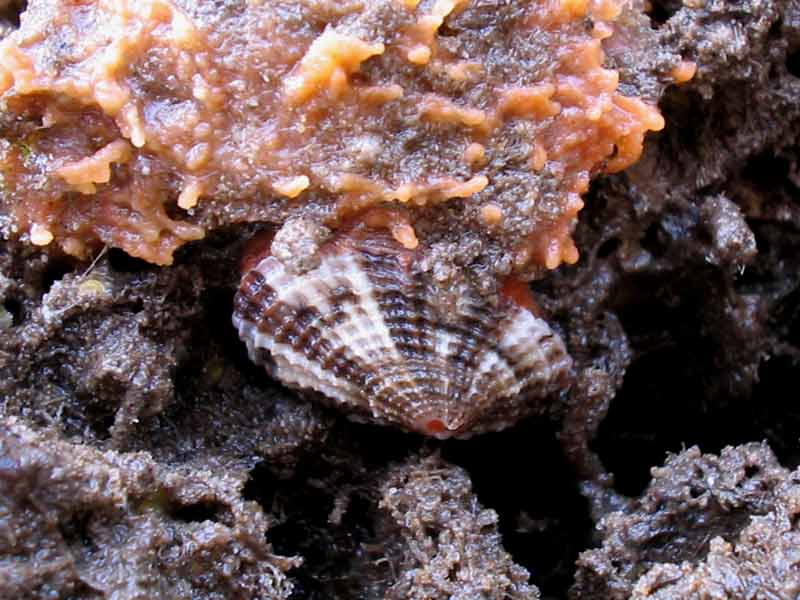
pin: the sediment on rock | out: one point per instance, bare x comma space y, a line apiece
706, 524
84, 524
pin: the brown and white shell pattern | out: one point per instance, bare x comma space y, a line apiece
366, 330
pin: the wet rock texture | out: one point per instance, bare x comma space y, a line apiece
142, 454
452, 548
83, 523
706, 525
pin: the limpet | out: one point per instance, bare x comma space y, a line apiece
366, 331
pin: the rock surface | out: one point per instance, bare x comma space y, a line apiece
681, 317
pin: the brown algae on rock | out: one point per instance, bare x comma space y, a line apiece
146, 110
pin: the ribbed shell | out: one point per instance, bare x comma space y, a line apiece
367, 332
